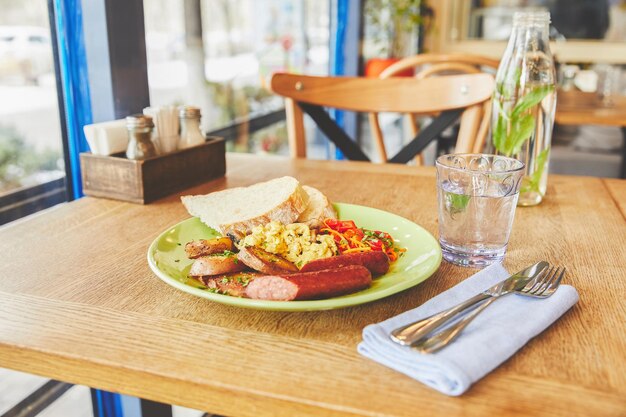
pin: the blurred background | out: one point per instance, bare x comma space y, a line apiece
217, 54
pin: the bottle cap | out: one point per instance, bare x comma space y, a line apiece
532, 16
189, 112
139, 121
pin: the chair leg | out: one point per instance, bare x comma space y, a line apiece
295, 129
378, 136
415, 129
470, 121
39, 400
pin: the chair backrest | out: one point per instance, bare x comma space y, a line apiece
453, 96
475, 61
442, 64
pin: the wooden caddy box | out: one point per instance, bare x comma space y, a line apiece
142, 182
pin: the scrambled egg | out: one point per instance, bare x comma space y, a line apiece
294, 242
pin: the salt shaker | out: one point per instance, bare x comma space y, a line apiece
190, 134
140, 145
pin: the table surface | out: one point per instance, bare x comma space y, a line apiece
578, 108
78, 303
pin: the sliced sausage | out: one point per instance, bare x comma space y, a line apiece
229, 284
205, 247
216, 265
377, 262
310, 285
263, 261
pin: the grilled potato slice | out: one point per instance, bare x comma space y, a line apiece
204, 247
263, 261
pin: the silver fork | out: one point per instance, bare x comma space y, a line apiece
542, 287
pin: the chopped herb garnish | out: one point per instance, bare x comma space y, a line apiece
224, 280
243, 281
179, 244
176, 260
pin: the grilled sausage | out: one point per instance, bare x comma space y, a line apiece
310, 285
263, 261
204, 247
229, 284
377, 262
215, 265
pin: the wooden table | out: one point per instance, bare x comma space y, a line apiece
578, 108
79, 304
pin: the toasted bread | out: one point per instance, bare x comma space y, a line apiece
238, 210
319, 208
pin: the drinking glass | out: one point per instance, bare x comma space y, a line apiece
477, 197
609, 79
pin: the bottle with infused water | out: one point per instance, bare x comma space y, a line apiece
524, 102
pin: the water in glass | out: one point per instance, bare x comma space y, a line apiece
476, 210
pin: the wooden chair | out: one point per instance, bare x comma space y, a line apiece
430, 65
453, 97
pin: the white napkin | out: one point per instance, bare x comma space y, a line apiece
107, 138
494, 336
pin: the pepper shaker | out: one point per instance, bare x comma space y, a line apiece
190, 134
140, 145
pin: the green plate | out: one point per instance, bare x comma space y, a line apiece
167, 259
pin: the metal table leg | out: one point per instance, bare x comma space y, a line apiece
155, 409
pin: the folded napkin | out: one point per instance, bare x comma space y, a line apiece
107, 138
494, 336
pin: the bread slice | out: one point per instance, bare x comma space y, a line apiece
237, 210
319, 208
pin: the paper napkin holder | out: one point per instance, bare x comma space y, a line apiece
143, 181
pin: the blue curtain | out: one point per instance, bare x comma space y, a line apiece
75, 90
106, 404
75, 84
337, 60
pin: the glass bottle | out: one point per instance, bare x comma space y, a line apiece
140, 145
524, 102
190, 134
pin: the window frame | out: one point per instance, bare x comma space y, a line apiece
583, 51
25, 201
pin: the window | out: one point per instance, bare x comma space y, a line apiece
31, 155
38, 39
585, 31
571, 19
218, 55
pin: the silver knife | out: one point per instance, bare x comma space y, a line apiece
411, 333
